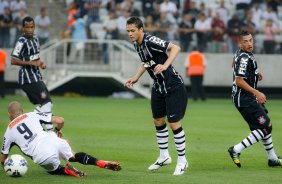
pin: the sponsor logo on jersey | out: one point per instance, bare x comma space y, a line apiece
157, 41
34, 57
16, 121
243, 66
18, 49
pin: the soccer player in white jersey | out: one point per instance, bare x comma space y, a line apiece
45, 148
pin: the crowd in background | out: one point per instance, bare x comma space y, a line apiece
12, 12
187, 22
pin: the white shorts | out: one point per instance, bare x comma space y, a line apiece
50, 150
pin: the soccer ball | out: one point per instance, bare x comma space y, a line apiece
15, 165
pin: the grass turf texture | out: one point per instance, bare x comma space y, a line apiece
122, 130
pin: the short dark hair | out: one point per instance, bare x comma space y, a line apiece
243, 33
136, 21
27, 19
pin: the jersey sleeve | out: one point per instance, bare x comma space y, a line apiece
7, 144
157, 44
241, 66
16, 53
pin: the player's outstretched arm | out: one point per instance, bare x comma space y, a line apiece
59, 124
129, 83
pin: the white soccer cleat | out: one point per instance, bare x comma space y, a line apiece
180, 168
159, 163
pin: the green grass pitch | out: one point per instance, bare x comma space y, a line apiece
122, 130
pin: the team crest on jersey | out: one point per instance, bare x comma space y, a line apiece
43, 95
261, 120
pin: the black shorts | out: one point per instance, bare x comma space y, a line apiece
255, 115
173, 104
37, 92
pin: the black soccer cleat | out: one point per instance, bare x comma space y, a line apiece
114, 166
275, 163
235, 156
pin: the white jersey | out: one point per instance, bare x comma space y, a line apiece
26, 132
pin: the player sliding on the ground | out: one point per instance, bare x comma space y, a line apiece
45, 148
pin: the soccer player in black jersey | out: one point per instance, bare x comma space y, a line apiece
250, 102
26, 55
168, 96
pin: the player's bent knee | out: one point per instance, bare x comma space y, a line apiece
268, 129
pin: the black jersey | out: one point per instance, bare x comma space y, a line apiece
244, 65
153, 51
27, 50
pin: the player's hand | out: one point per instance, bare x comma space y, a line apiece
260, 97
129, 83
260, 76
42, 65
160, 68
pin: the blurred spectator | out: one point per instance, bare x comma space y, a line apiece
186, 5
72, 11
193, 11
133, 11
233, 28
42, 24
156, 14
112, 5
149, 25
241, 7
257, 14
203, 8
18, 24
248, 24
203, 30
6, 22
185, 32
274, 4
270, 14
3, 4
223, 12
163, 27
147, 7
122, 25
209, 16
125, 4
15, 6
241, 4
78, 32
111, 27
93, 9
3, 57
218, 30
269, 32
170, 9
